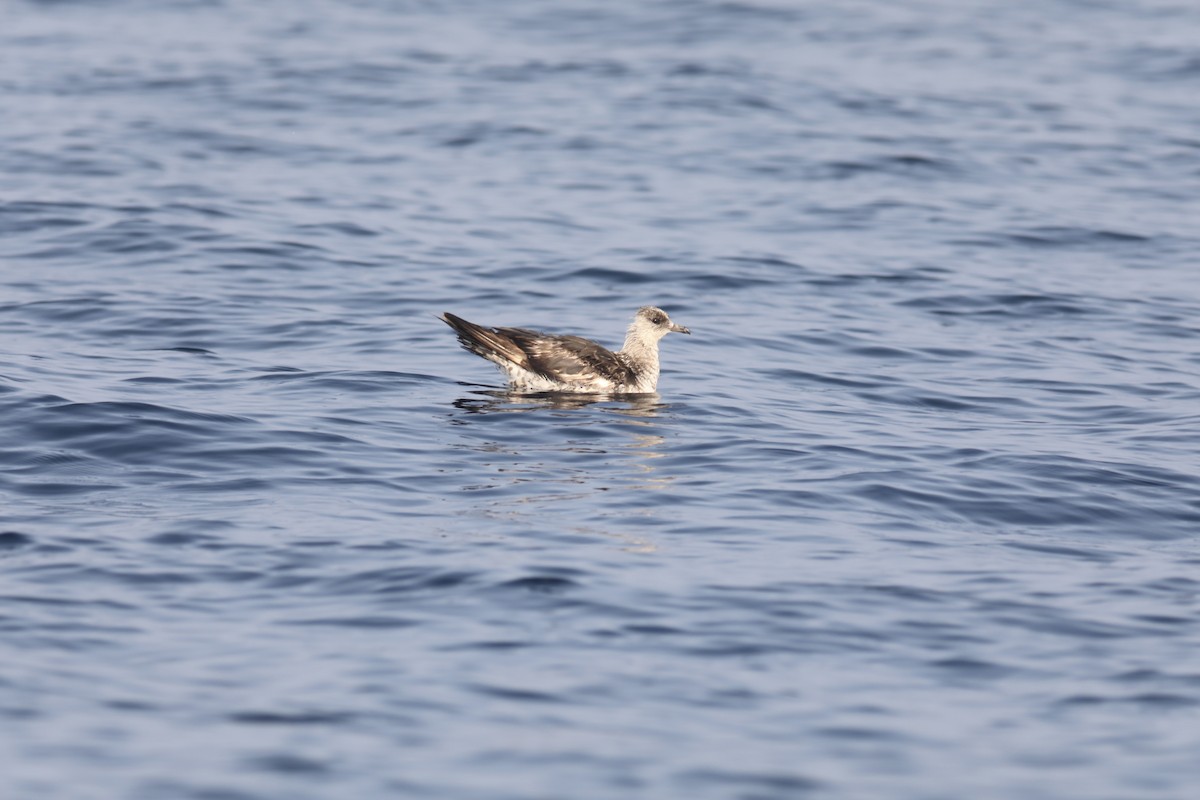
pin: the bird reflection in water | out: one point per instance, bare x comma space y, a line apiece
500, 402
534, 465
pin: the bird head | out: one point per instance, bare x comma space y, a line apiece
653, 323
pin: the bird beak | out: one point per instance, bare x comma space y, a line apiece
680, 329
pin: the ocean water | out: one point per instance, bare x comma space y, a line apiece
914, 514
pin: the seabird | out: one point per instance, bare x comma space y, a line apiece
546, 362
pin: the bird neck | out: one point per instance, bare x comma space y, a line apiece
640, 351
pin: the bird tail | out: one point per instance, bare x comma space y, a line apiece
486, 342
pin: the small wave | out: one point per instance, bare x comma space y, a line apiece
12, 540
292, 718
609, 275
902, 165
1028, 305
1061, 236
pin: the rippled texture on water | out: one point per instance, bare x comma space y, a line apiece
914, 515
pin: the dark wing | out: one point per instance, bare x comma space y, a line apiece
568, 359
490, 343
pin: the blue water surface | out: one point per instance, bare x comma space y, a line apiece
914, 515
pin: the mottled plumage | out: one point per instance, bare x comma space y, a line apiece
545, 362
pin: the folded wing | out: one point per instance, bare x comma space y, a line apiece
564, 359
568, 359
